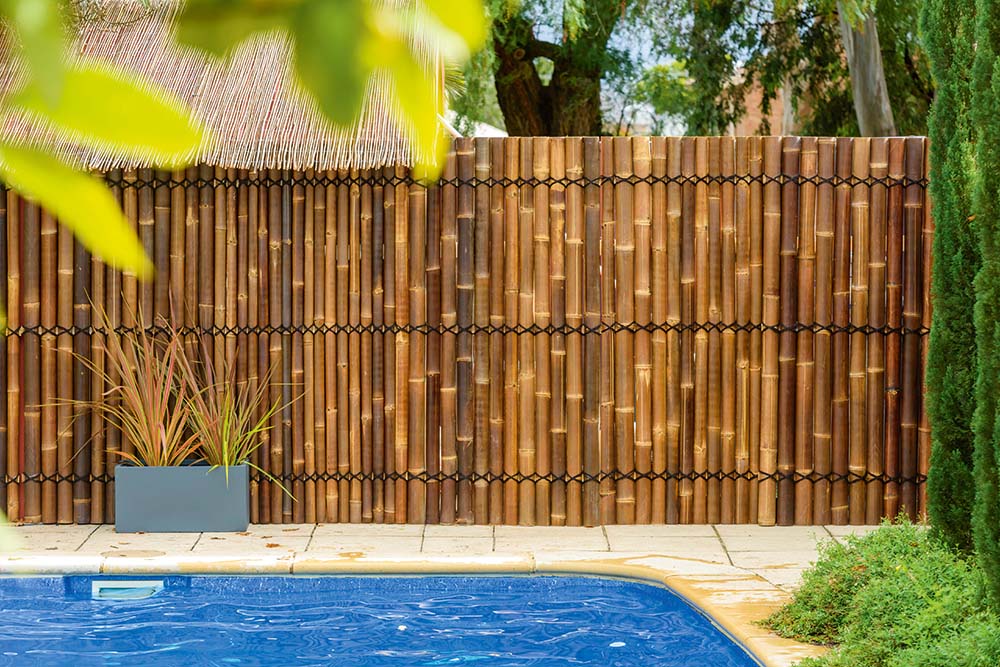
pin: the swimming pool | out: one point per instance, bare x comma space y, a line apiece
354, 620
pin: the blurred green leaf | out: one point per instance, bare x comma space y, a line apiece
418, 102
102, 107
330, 56
81, 202
466, 18
217, 26
43, 42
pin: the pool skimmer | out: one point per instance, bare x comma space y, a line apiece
125, 589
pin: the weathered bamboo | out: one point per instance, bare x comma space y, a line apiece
510, 274
624, 341
31, 346
465, 286
727, 382
288, 450
497, 389
713, 407
417, 417
840, 408
64, 370
242, 281
927, 241
342, 372
581, 288
98, 427
308, 388
355, 503
147, 237
50, 388
860, 244
875, 369
606, 424
771, 364
525, 293
676, 265
659, 291
688, 300
642, 270
805, 365
556, 270
788, 306
449, 319
81, 386
274, 343
893, 320
481, 341
823, 316
542, 317
256, 224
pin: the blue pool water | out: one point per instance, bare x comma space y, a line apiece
348, 621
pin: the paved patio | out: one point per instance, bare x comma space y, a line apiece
738, 574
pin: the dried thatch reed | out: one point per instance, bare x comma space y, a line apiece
383, 303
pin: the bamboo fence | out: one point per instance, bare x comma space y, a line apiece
561, 331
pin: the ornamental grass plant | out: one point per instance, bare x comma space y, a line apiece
897, 597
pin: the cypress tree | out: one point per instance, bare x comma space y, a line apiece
948, 32
986, 119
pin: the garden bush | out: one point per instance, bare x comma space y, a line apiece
897, 597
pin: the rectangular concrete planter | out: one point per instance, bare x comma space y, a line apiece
181, 499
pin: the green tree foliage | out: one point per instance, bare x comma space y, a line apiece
986, 201
730, 47
951, 360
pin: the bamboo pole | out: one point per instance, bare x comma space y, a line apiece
64, 371
378, 457
675, 310
912, 320
242, 279
465, 286
147, 236
860, 240
255, 295
642, 271
893, 320
289, 446
309, 388
365, 321
741, 275
805, 366
98, 430
355, 503
432, 435
526, 375
389, 341
823, 315
274, 343
625, 369
345, 493
879, 167
51, 391
496, 306
14, 306
449, 319
756, 264
658, 286
31, 345
5, 443
769, 389
788, 306
727, 382
298, 357
417, 500
511, 393
688, 437
481, 341
702, 264
582, 291
927, 241
542, 317
840, 417
558, 429
608, 486
82, 453
713, 413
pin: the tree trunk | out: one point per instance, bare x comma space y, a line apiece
864, 60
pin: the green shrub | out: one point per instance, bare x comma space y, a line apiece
897, 597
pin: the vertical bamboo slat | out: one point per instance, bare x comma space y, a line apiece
840, 407
642, 218
498, 426
527, 453
14, 321
770, 428
465, 286
606, 418
50, 388
449, 319
860, 240
658, 286
417, 416
31, 342
823, 315
713, 407
624, 341
557, 276
542, 318
912, 312
512, 489
788, 306
688, 304
481, 341
676, 298
587, 163
893, 320
805, 365
875, 370
727, 383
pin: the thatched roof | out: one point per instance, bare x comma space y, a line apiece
256, 115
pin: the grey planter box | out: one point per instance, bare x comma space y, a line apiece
181, 499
